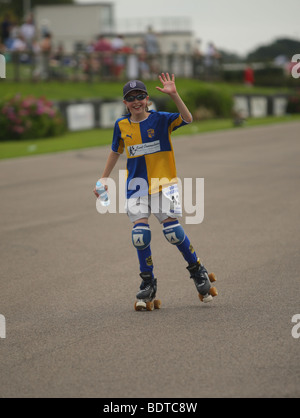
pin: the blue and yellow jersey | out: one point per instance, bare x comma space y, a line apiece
150, 156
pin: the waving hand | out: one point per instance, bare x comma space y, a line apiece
169, 86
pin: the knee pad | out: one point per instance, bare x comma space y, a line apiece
174, 233
141, 236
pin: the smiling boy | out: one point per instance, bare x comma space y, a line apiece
151, 187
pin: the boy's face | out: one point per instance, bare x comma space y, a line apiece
136, 101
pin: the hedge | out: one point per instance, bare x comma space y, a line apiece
206, 102
29, 118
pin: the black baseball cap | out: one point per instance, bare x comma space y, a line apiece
134, 85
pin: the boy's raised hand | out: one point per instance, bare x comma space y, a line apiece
169, 86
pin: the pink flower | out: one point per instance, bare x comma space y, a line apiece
19, 114
18, 129
23, 112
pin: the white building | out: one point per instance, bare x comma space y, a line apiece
77, 24
73, 25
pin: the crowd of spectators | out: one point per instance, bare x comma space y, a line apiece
108, 58
29, 45
104, 57
112, 57
16, 37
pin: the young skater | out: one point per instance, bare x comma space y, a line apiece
152, 183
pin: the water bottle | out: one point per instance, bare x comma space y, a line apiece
103, 195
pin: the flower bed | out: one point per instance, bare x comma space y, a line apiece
29, 118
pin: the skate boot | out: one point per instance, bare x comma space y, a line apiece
146, 295
203, 281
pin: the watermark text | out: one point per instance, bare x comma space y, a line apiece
2, 326
2, 66
295, 71
170, 202
296, 328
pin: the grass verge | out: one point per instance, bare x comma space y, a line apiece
101, 137
111, 90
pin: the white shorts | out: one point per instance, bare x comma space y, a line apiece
165, 204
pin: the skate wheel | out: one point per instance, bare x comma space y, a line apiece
206, 298
150, 306
213, 291
137, 308
212, 277
139, 305
157, 304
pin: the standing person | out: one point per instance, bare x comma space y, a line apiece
103, 46
28, 32
152, 50
118, 45
6, 26
152, 182
45, 49
151, 42
249, 76
212, 60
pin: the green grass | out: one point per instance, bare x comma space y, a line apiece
100, 137
69, 141
111, 90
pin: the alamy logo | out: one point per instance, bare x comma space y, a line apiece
2, 66
192, 191
2, 326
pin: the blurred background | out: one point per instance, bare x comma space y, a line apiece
231, 60
95, 40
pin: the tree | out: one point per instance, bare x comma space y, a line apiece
267, 53
17, 7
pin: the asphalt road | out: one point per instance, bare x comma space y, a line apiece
69, 276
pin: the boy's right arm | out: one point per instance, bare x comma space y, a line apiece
110, 164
